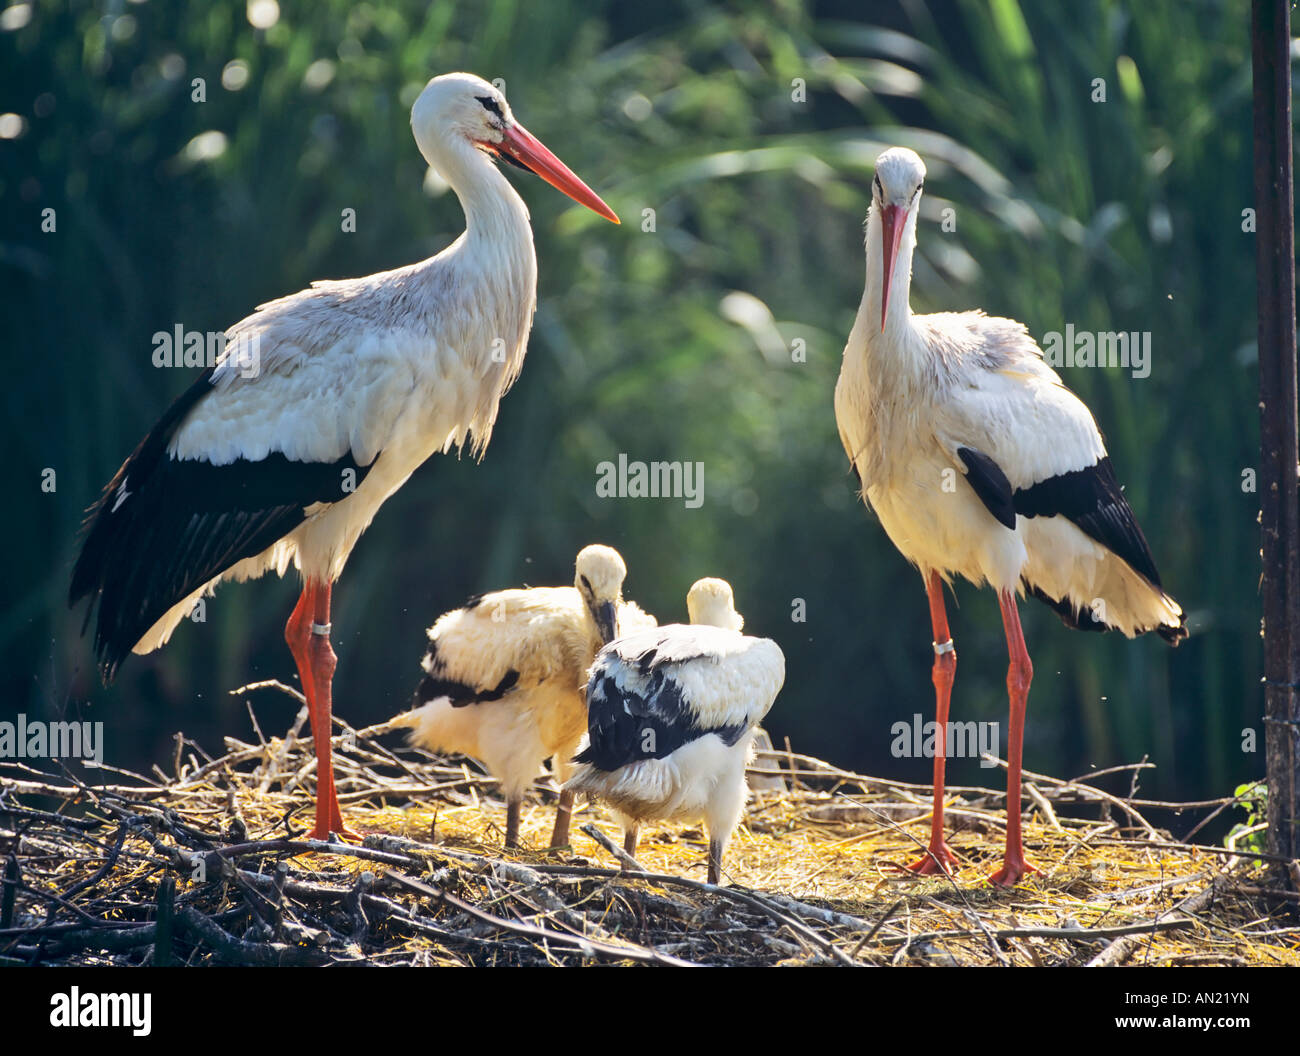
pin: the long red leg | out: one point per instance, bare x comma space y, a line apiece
939, 856
1019, 674
316, 662
297, 633
323, 661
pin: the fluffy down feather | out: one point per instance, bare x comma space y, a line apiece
505, 675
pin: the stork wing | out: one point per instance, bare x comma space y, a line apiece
166, 526
1029, 446
313, 378
506, 640
651, 692
307, 393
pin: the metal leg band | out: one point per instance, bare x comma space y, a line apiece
944, 647
323, 629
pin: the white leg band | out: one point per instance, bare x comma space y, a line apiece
943, 647
323, 629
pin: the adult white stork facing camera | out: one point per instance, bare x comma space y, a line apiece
506, 675
670, 717
979, 462
321, 406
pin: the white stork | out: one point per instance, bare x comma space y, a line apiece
670, 718
353, 384
506, 675
979, 462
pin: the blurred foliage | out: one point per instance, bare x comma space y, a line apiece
671, 343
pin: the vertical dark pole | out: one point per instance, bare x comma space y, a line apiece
1279, 511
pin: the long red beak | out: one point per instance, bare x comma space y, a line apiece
893, 218
528, 150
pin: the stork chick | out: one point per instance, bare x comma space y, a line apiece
711, 602
979, 462
670, 717
505, 677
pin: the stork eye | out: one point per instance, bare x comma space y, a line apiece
876, 184
586, 584
490, 104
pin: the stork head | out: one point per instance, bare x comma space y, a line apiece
598, 574
711, 602
895, 194
462, 107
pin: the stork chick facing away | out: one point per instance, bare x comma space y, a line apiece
322, 405
505, 677
979, 462
670, 718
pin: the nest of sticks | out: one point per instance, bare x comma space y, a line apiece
211, 865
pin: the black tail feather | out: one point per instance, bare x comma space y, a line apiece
1080, 617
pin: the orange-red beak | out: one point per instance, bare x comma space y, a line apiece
529, 151
893, 218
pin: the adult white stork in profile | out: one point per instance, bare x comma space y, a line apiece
321, 406
670, 717
979, 462
505, 677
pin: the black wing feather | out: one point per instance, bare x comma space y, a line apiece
990, 484
1078, 617
435, 684
625, 726
1093, 499
183, 523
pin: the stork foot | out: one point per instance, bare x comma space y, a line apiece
329, 819
1014, 868
938, 859
327, 824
